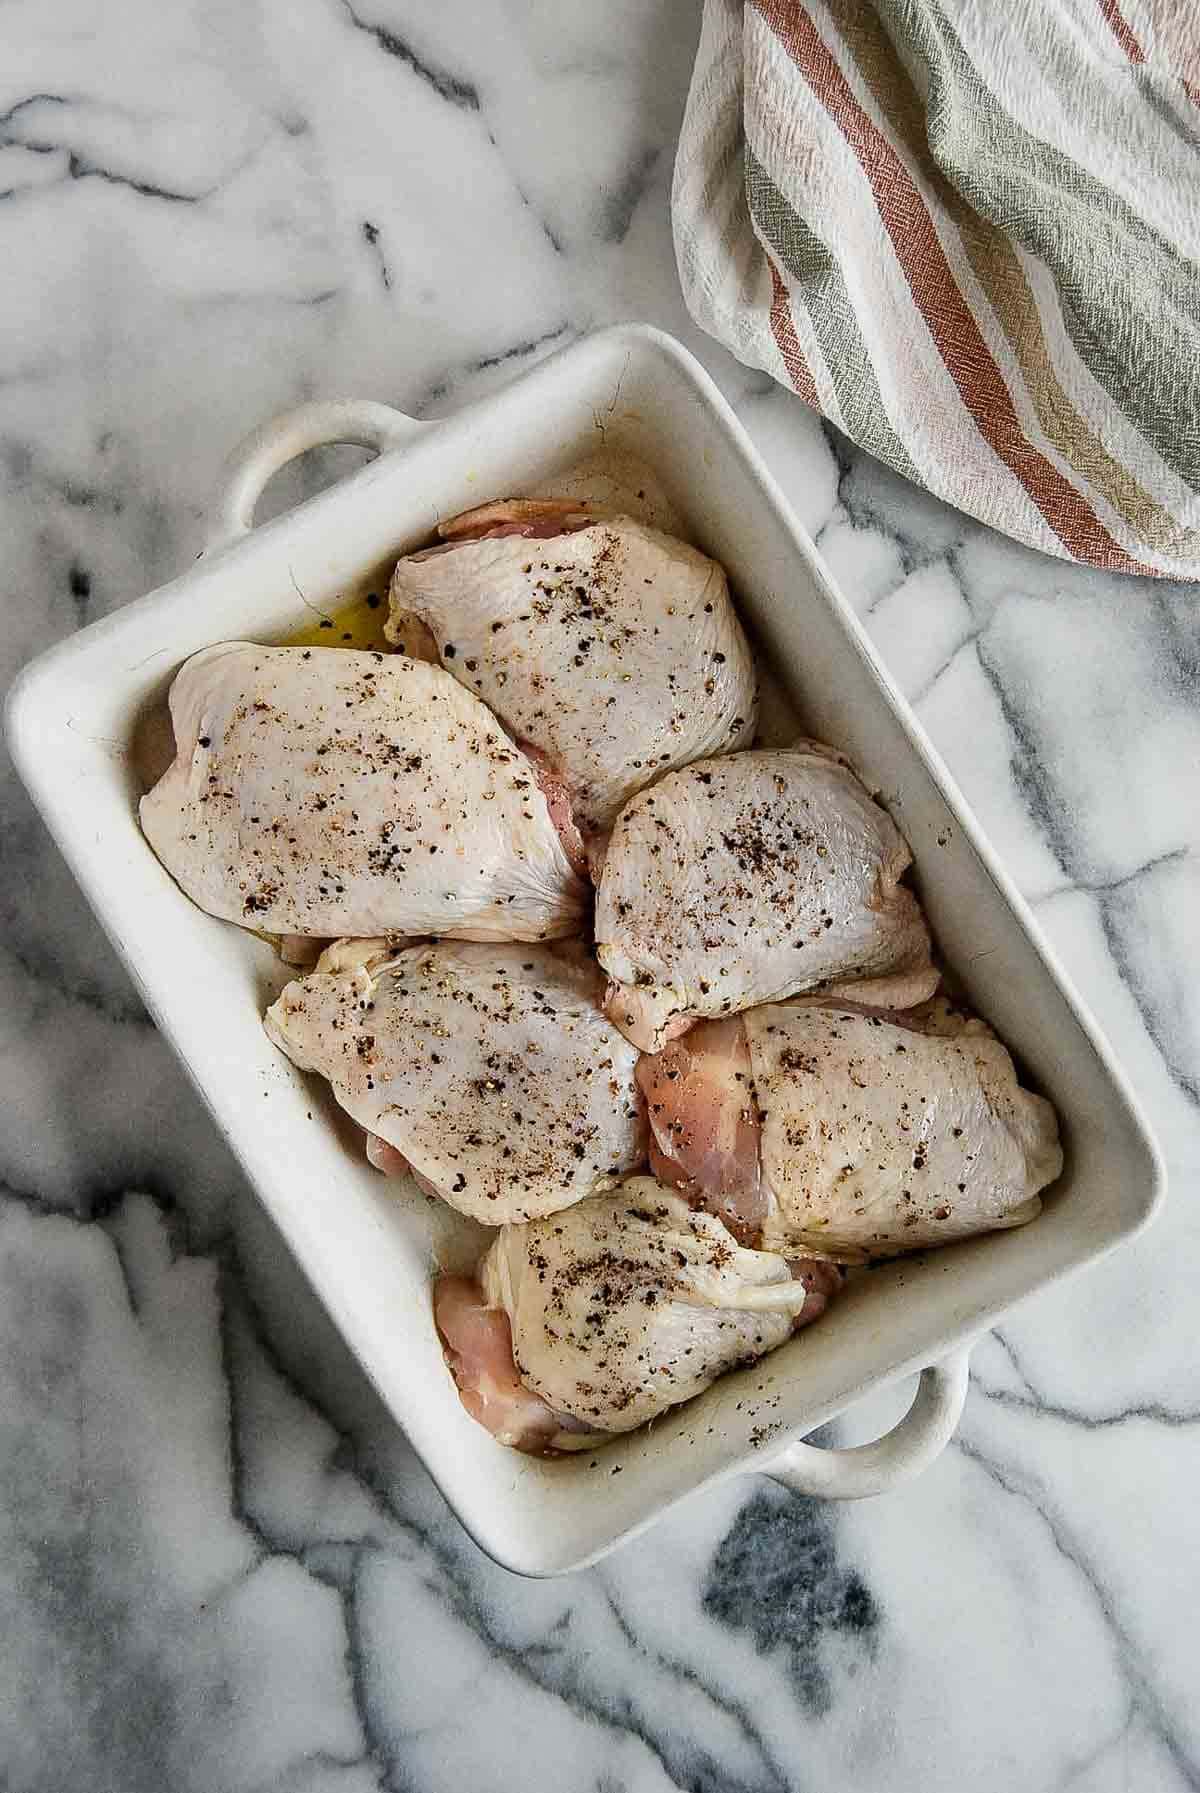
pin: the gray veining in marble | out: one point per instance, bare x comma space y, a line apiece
220, 1566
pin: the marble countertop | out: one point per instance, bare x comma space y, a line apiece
220, 1565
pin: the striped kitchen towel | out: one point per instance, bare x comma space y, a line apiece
968, 232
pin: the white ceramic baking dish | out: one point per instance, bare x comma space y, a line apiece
367, 1245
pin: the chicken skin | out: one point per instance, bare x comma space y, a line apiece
841, 1133
594, 1322
489, 1071
324, 792
612, 649
748, 879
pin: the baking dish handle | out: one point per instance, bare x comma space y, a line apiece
908, 1448
266, 450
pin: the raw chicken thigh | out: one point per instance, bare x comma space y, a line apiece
747, 879
318, 791
610, 648
489, 1070
594, 1322
830, 1130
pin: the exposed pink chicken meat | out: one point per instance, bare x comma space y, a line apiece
704, 1121
821, 1280
834, 1131
612, 648
537, 519
384, 1157
554, 789
478, 1346
750, 878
